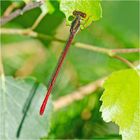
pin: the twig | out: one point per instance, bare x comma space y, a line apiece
110, 52
41, 16
131, 50
124, 61
18, 12
77, 95
25, 32
28, 32
93, 48
10, 9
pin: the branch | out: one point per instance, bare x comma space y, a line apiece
110, 52
93, 48
18, 12
38, 20
78, 95
30, 33
10, 9
124, 61
131, 50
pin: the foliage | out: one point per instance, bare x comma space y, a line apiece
14, 93
121, 102
47, 7
25, 56
92, 9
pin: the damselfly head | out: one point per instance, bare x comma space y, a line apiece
79, 13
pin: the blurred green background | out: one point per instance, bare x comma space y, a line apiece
24, 56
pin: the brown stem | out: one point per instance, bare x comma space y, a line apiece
78, 94
41, 16
110, 52
28, 32
10, 9
130, 50
18, 12
124, 61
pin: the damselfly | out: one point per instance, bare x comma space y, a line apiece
73, 30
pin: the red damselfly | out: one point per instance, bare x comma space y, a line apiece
73, 30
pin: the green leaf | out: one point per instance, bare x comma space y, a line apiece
13, 95
121, 102
26, 1
91, 8
47, 7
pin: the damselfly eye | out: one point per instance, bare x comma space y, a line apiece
83, 15
76, 13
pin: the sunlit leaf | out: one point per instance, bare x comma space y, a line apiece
121, 102
91, 8
26, 1
47, 7
13, 95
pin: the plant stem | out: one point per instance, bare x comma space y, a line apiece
10, 8
28, 32
130, 50
40, 17
18, 12
93, 48
124, 61
78, 94
110, 52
